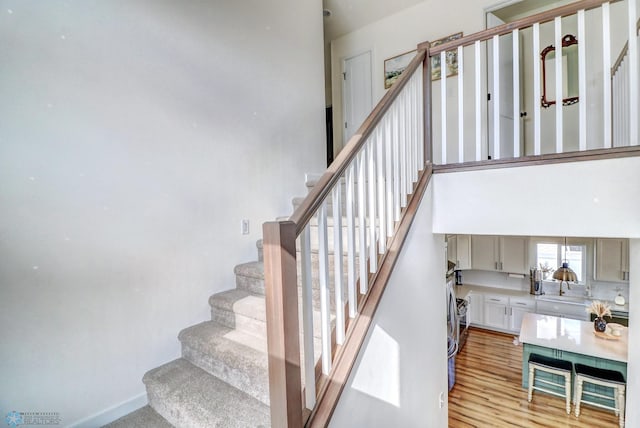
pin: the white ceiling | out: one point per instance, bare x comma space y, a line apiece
349, 15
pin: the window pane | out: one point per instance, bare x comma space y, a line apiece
575, 255
547, 258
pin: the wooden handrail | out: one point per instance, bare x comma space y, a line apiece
500, 30
623, 52
329, 179
346, 357
546, 159
618, 62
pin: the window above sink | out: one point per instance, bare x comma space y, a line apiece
550, 255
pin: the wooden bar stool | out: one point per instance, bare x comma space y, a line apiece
601, 377
552, 366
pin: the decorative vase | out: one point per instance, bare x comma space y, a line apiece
599, 324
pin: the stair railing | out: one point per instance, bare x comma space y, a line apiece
474, 134
332, 245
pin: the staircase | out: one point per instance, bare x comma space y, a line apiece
221, 379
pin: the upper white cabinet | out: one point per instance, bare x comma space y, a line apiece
612, 260
503, 253
459, 251
483, 252
513, 252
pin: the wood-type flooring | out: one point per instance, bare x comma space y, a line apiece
488, 391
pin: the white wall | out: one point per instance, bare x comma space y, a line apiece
402, 367
592, 198
135, 136
399, 33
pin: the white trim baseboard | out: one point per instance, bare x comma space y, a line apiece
111, 414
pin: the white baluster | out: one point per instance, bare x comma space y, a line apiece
371, 198
337, 262
536, 89
460, 104
351, 240
633, 73
421, 160
323, 277
516, 93
388, 129
362, 221
307, 318
382, 235
496, 97
478, 98
606, 78
402, 146
443, 104
582, 82
558, 71
396, 164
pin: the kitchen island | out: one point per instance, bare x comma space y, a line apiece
571, 340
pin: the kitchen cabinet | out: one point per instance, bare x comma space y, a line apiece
513, 254
459, 251
611, 260
517, 308
476, 306
495, 311
505, 313
499, 253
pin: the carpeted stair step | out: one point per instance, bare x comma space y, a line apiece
238, 358
189, 397
144, 417
240, 310
246, 312
250, 277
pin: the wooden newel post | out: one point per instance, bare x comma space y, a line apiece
281, 293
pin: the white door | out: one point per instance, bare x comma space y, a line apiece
356, 93
505, 92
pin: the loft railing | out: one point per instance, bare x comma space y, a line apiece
347, 221
326, 267
514, 122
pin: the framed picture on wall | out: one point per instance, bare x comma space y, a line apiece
393, 67
451, 57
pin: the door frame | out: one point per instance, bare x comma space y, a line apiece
344, 89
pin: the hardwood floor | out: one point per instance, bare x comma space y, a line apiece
488, 390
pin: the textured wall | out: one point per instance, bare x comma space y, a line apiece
134, 137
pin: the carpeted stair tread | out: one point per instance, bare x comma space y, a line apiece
250, 277
189, 397
240, 302
144, 417
238, 358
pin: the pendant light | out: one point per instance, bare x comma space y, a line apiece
564, 273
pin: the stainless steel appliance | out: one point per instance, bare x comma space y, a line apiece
462, 330
535, 281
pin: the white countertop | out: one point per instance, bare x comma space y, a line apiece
572, 336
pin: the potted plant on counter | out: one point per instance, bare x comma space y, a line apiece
600, 310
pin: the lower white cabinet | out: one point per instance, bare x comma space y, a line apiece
495, 311
517, 308
505, 313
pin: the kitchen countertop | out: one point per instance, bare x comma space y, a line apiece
463, 291
572, 336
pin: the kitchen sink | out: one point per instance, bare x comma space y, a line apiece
572, 300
